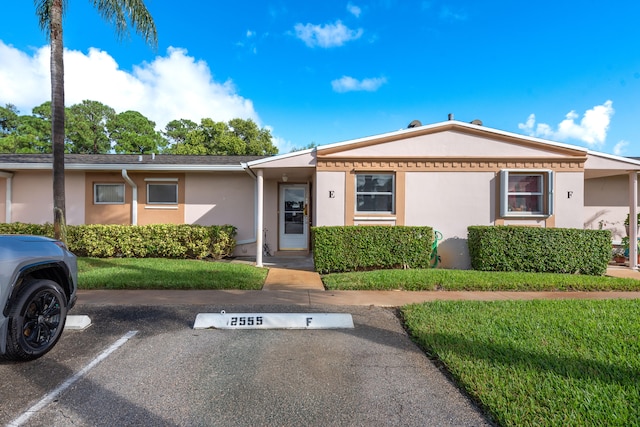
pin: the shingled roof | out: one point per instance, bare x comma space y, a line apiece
124, 159
157, 162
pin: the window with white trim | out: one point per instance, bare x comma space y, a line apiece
162, 194
526, 193
375, 192
108, 194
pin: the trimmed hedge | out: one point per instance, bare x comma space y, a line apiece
139, 241
542, 250
352, 248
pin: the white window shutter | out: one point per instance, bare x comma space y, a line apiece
504, 190
550, 193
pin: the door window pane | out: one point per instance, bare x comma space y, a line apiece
294, 211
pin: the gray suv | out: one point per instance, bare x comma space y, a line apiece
38, 283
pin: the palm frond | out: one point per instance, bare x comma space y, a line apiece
122, 13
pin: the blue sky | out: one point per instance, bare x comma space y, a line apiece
324, 72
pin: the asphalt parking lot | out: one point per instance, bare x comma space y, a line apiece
164, 373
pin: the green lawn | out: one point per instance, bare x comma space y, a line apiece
158, 273
542, 363
470, 280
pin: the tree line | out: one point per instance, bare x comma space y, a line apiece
94, 128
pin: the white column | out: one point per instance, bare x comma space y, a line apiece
633, 219
260, 221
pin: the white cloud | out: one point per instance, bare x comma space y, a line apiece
24, 79
620, 148
283, 145
349, 84
329, 35
592, 129
174, 86
354, 10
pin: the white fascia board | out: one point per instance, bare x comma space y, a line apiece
622, 159
278, 157
129, 167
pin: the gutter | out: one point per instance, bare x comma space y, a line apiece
134, 198
8, 195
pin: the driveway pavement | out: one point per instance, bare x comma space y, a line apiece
168, 374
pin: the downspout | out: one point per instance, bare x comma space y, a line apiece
8, 195
134, 201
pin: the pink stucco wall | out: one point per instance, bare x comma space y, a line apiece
221, 199
33, 197
606, 204
447, 144
450, 202
329, 211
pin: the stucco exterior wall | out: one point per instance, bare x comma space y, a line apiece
32, 197
121, 213
450, 202
606, 204
74, 197
569, 199
271, 214
106, 213
448, 144
159, 214
221, 199
329, 211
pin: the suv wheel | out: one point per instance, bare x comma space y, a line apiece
37, 320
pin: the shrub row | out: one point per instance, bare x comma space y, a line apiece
139, 241
543, 250
352, 248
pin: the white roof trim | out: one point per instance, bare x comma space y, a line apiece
279, 157
614, 157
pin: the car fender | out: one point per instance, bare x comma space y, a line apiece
52, 270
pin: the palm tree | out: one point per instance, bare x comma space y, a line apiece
119, 13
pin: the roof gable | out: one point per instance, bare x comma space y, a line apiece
450, 140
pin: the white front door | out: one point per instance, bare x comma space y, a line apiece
293, 218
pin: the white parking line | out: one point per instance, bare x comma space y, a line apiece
51, 396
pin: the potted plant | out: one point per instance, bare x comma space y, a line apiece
626, 223
618, 255
625, 245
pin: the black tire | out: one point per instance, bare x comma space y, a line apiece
36, 321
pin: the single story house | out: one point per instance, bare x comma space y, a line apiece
447, 175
